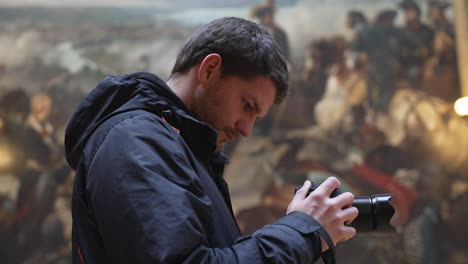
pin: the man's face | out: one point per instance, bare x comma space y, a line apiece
411, 15
267, 20
435, 13
232, 104
42, 107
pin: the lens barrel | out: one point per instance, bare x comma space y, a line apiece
375, 212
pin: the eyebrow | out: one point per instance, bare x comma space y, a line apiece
255, 105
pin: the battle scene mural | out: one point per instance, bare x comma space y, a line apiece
372, 92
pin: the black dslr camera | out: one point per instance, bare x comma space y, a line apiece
375, 211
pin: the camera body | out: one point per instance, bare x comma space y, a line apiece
375, 212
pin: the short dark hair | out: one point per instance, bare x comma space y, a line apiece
263, 11
357, 17
246, 48
386, 15
410, 4
16, 101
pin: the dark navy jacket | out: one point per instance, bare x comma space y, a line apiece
149, 186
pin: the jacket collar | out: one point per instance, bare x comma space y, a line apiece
200, 136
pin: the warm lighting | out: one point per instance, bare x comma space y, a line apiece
461, 106
5, 158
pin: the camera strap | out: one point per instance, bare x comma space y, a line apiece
329, 255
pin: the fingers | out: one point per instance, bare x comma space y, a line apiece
344, 200
348, 232
297, 203
344, 230
327, 187
349, 214
332, 213
302, 192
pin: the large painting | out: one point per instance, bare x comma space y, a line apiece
372, 87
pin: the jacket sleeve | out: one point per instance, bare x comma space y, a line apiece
150, 208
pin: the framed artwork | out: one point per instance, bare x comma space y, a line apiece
372, 87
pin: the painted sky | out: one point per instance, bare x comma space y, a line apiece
157, 3
171, 3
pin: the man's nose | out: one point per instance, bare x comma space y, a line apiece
245, 127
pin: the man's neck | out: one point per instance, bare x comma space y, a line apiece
184, 86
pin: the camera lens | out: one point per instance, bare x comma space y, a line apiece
375, 212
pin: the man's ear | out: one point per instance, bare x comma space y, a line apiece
210, 68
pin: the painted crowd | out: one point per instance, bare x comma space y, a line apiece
372, 107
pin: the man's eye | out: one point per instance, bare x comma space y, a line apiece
248, 106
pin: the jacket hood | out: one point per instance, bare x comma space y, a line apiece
118, 94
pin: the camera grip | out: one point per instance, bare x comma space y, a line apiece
335, 192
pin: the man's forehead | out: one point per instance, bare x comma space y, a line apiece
260, 87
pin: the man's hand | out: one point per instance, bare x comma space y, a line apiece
331, 213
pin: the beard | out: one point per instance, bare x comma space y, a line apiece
208, 108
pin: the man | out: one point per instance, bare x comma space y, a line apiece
355, 20
148, 161
27, 156
424, 35
439, 21
440, 76
39, 118
412, 14
380, 42
266, 15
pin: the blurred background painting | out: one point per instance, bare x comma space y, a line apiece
373, 87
